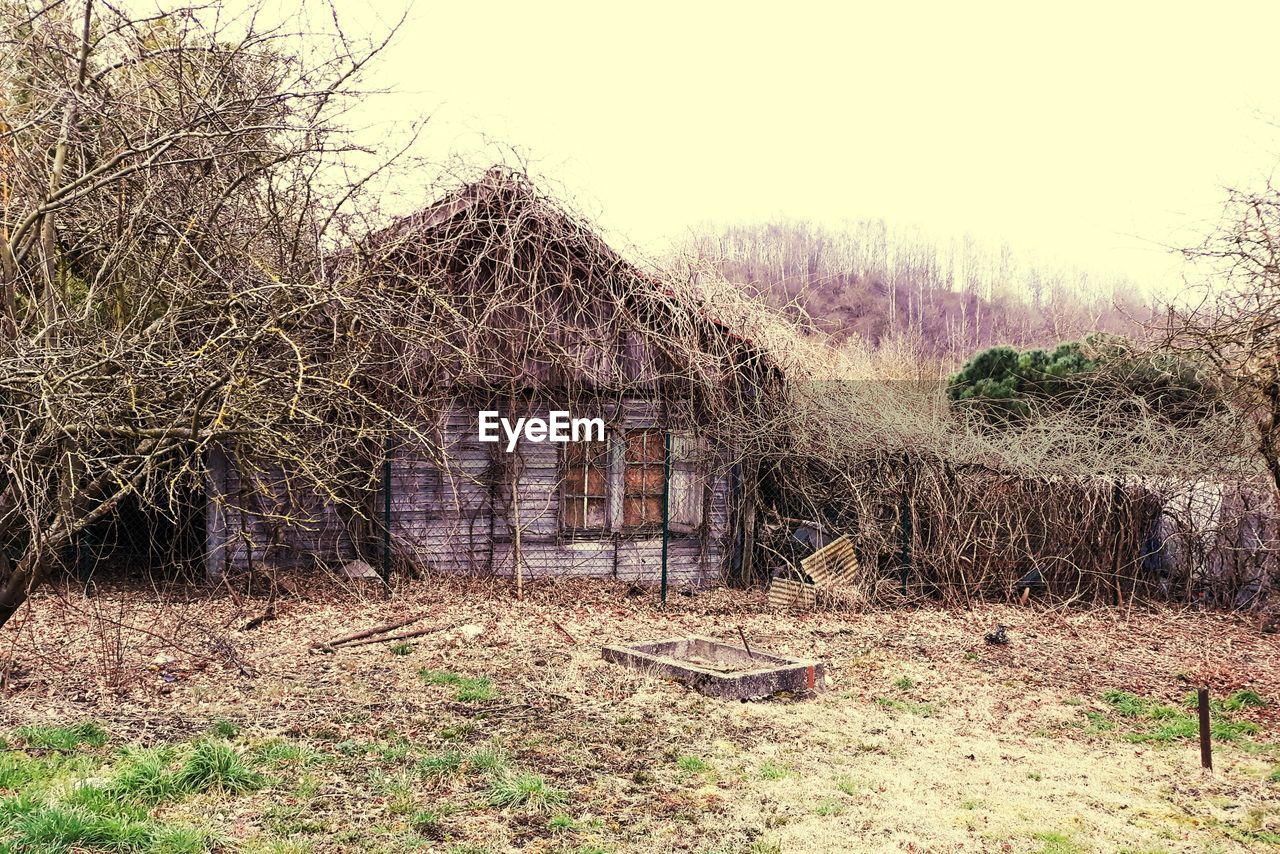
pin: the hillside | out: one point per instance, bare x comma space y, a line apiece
949, 299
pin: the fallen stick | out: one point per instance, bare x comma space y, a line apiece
562, 630
364, 633
269, 614
416, 633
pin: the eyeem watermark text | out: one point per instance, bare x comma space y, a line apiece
556, 427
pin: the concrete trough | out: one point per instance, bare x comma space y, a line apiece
718, 669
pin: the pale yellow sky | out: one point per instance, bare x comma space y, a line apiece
1090, 133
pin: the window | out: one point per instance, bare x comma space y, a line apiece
643, 478
617, 485
584, 491
690, 462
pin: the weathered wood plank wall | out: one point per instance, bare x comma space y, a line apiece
456, 517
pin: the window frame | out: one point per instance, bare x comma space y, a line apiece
602, 459
690, 473
645, 465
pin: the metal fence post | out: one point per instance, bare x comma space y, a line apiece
85, 563
666, 509
1206, 744
386, 514
904, 511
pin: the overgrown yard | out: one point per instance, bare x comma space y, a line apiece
135, 726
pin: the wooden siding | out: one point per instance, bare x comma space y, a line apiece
458, 517
440, 516
268, 516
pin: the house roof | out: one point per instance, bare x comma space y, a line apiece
518, 200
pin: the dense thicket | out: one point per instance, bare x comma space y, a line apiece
164, 284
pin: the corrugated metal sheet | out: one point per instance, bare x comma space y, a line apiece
833, 565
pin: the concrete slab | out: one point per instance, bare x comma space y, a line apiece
719, 669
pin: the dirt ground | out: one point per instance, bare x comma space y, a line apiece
925, 739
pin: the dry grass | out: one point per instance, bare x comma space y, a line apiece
927, 739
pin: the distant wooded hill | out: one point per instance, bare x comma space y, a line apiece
950, 299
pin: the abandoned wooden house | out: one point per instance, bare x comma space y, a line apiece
537, 315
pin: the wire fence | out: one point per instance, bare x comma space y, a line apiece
920, 531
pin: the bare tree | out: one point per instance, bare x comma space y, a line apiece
1234, 323
167, 196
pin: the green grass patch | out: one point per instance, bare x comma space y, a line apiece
148, 776
1187, 728
392, 751
174, 839
217, 767
61, 738
18, 769
1237, 702
693, 764
468, 689
281, 753
66, 801
1125, 704
1058, 843
849, 786
445, 764
400, 796
401, 648
223, 728
486, 760
60, 828
458, 732
524, 790
89, 817
1243, 700
770, 770
1154, 723
1098, 722
478, 690
828, 808
429, 823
